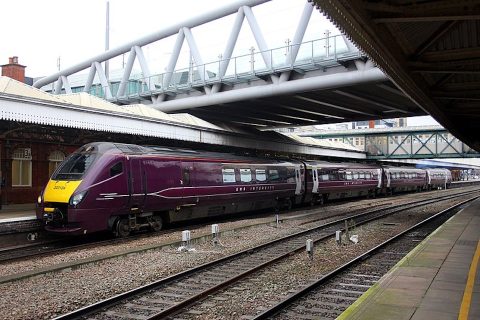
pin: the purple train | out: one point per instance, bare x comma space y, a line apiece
123, 188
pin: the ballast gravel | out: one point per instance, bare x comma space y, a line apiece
49, 295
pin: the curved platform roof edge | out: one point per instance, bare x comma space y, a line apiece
63, 113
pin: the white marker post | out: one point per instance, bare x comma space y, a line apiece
309, 247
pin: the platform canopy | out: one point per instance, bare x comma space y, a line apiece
430, 49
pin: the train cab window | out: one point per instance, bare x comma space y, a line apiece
228, 175
116, 169
260, 175
245, 175
75, 166
273, 175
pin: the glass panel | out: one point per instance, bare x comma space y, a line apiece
116, 169
260, 175
355, 175
16, 172
26, 178
348, 176
228, 175
75, 166
273, 175
245, 175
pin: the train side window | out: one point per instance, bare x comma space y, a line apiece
116, 169
245, 175
290, 175
361, 175
325, 176
348, 176
228, 175
273, 175
260, 175
333, 176
355, 176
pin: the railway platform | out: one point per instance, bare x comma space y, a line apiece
439, 279
17, 212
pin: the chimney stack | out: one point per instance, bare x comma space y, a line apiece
14, 70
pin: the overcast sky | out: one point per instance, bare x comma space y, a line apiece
39, 32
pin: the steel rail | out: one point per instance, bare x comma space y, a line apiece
304, 291
111, 302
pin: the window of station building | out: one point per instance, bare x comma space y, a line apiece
260, 175
228, 175
273, 175
245, 175
22, 167
54, 159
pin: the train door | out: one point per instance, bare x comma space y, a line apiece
380, 178
188, 196
298, 181
315, 179
137, 184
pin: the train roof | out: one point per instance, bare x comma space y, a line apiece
132, 149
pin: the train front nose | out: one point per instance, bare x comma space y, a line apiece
55, 209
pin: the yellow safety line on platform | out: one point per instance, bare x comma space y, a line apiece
467, 294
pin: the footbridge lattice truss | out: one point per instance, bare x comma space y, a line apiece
298, 67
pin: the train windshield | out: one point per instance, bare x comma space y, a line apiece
75, 166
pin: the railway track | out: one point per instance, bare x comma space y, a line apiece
57, 246
333, 293
176, 293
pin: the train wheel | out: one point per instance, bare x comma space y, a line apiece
123, 228
157, 223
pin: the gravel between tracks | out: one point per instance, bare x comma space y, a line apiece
259, 291
52, 294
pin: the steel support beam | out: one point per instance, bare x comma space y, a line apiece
169, 31
289, 87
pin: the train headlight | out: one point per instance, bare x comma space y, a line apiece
40, 198
77, 198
